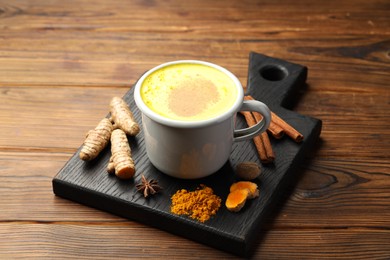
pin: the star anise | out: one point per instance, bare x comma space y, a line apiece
148, 187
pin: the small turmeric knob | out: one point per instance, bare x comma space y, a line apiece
250, 186
121, 161
236, 200
96, 140
122, 116
239, 193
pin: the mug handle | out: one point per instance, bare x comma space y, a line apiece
250, 132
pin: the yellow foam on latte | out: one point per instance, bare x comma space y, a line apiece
188, 92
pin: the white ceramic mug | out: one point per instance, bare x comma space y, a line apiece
196, 149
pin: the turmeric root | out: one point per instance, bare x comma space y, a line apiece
122, 117
121, 162
96, 140
239, 193
250, 186
236, 200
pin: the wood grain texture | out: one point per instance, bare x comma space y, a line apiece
356, 243
62, 61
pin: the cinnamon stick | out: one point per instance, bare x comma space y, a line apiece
258, 141
267, 145
279, 122
265, 139
275, 130
288, 129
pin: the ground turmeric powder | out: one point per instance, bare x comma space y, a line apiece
121, 162
122, 117
200, 204
96, 140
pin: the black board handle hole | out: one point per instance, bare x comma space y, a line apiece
273, 72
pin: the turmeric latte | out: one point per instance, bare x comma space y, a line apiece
188, 92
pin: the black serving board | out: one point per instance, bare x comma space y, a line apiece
273, 81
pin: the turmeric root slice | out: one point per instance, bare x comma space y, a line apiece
122, 117
236, 199
121, 159
96, 140
253, 191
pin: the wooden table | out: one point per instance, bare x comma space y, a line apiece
62, 61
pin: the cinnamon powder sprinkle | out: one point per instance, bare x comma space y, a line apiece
200, 204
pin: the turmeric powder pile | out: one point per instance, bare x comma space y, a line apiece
200, 204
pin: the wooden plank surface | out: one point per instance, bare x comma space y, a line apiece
62, 61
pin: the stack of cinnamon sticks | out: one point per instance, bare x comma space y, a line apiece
278, 128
